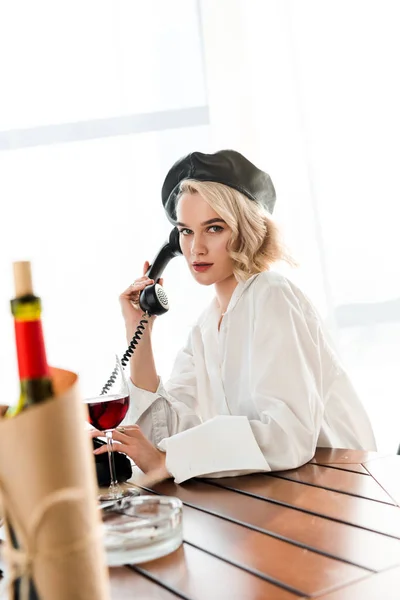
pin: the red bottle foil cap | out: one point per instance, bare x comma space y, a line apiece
31, 351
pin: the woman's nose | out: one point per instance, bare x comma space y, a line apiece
198, 246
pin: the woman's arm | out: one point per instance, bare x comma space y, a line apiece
171, 408
142, 367
158, 413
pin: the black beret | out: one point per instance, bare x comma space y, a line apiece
226, 166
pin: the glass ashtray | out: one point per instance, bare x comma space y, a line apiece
141, 528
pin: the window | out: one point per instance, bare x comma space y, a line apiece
98, 100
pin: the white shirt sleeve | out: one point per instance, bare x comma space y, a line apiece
171, 408
287, 391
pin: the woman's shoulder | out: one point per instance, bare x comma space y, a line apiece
270, 285
271, 280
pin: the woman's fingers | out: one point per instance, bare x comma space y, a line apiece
101, 449
130, 299
120, 437
146, 267
127, 434
116, 448
127, 428
132, 442
126, 440
96, 433
124, 435
137, 286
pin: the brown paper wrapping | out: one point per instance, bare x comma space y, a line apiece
49, 495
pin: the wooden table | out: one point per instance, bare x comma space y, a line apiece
329, 530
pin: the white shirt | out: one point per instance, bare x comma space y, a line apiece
258, 395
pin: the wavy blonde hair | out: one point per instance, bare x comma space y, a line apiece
255, 242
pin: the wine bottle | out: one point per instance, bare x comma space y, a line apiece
34, 374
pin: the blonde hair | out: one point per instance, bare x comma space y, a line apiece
255, 243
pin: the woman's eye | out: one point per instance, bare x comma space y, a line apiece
215, 228
185, 231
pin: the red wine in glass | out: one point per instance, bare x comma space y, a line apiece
107, 412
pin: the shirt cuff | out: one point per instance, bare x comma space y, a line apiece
141, 400
220, 445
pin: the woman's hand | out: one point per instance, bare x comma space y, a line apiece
133, 443
129, 299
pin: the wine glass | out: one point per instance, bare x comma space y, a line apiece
105, 412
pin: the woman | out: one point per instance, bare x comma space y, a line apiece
257, 386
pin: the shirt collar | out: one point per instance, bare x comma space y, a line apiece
238, 292
214, 311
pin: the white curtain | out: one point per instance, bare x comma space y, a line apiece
309, 90
99, 98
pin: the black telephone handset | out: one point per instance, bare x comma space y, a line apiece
152, 300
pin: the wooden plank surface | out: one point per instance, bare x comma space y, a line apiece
200, 576
326, 456
346, 482
329, 530
386, 472
355, 545
380, 586
279, 561
126, 583
375, 516
355, 468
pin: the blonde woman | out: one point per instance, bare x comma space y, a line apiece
257, 386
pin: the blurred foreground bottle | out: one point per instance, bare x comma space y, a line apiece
34, 373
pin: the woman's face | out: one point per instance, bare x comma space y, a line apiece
203, 238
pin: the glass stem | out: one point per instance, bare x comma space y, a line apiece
114, 487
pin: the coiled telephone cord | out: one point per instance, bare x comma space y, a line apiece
128, 353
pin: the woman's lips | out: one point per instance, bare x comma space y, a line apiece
201, 267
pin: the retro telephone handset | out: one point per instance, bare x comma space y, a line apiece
152, 300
